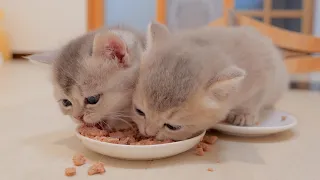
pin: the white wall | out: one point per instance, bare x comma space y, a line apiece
37, 25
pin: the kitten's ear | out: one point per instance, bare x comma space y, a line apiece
156, 32
110, 46
226, 83
45, 57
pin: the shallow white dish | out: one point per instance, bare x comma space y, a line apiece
271, 124
139, 152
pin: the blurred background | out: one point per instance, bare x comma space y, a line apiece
32, 26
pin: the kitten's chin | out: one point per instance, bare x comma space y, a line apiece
92, 118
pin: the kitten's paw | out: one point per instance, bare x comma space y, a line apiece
242, 118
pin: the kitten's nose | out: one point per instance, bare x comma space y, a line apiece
79, 117
151, 131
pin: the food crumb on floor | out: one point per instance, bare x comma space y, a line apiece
78, 160
70, 171
199, 152
210, 139
203, 145
210, 169
96, 168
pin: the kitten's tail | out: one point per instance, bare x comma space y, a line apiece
232, 18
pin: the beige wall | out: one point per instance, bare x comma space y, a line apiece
38, 25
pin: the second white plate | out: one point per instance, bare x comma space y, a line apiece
273, 123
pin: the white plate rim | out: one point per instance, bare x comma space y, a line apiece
137, 146
250, 130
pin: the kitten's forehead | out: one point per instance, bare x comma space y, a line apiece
169, 80
77, 67
70, 62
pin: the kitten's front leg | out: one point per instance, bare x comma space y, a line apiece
248, 113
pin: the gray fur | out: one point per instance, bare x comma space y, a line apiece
70, 62
68, 65
174, 89
78, 72
195, 78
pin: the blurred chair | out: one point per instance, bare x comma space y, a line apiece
298, 48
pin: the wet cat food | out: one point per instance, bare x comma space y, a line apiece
78, 160
70, 171
92, 131
210, 139
199, 151
125, 137
210, 169
203, 146
96, 168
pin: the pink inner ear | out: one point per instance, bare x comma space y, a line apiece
116, 50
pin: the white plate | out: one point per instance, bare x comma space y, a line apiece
272, 124
139, 152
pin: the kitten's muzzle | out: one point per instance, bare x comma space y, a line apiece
151, 131
79, 118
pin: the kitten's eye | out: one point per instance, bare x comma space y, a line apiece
172, 127
66, 102
140, 112
92, 99
90, 51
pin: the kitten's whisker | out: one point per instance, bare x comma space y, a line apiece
126, 122
117, 114
120, 115
100, 125
108, 126
120, 119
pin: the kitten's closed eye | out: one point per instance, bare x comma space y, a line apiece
172, 127
92, 99
138, 111
66, 103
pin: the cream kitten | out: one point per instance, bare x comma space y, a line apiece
191, 80
94, 75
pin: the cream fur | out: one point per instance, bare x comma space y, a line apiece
194, 79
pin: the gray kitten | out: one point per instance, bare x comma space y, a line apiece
191, 80
94, 75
